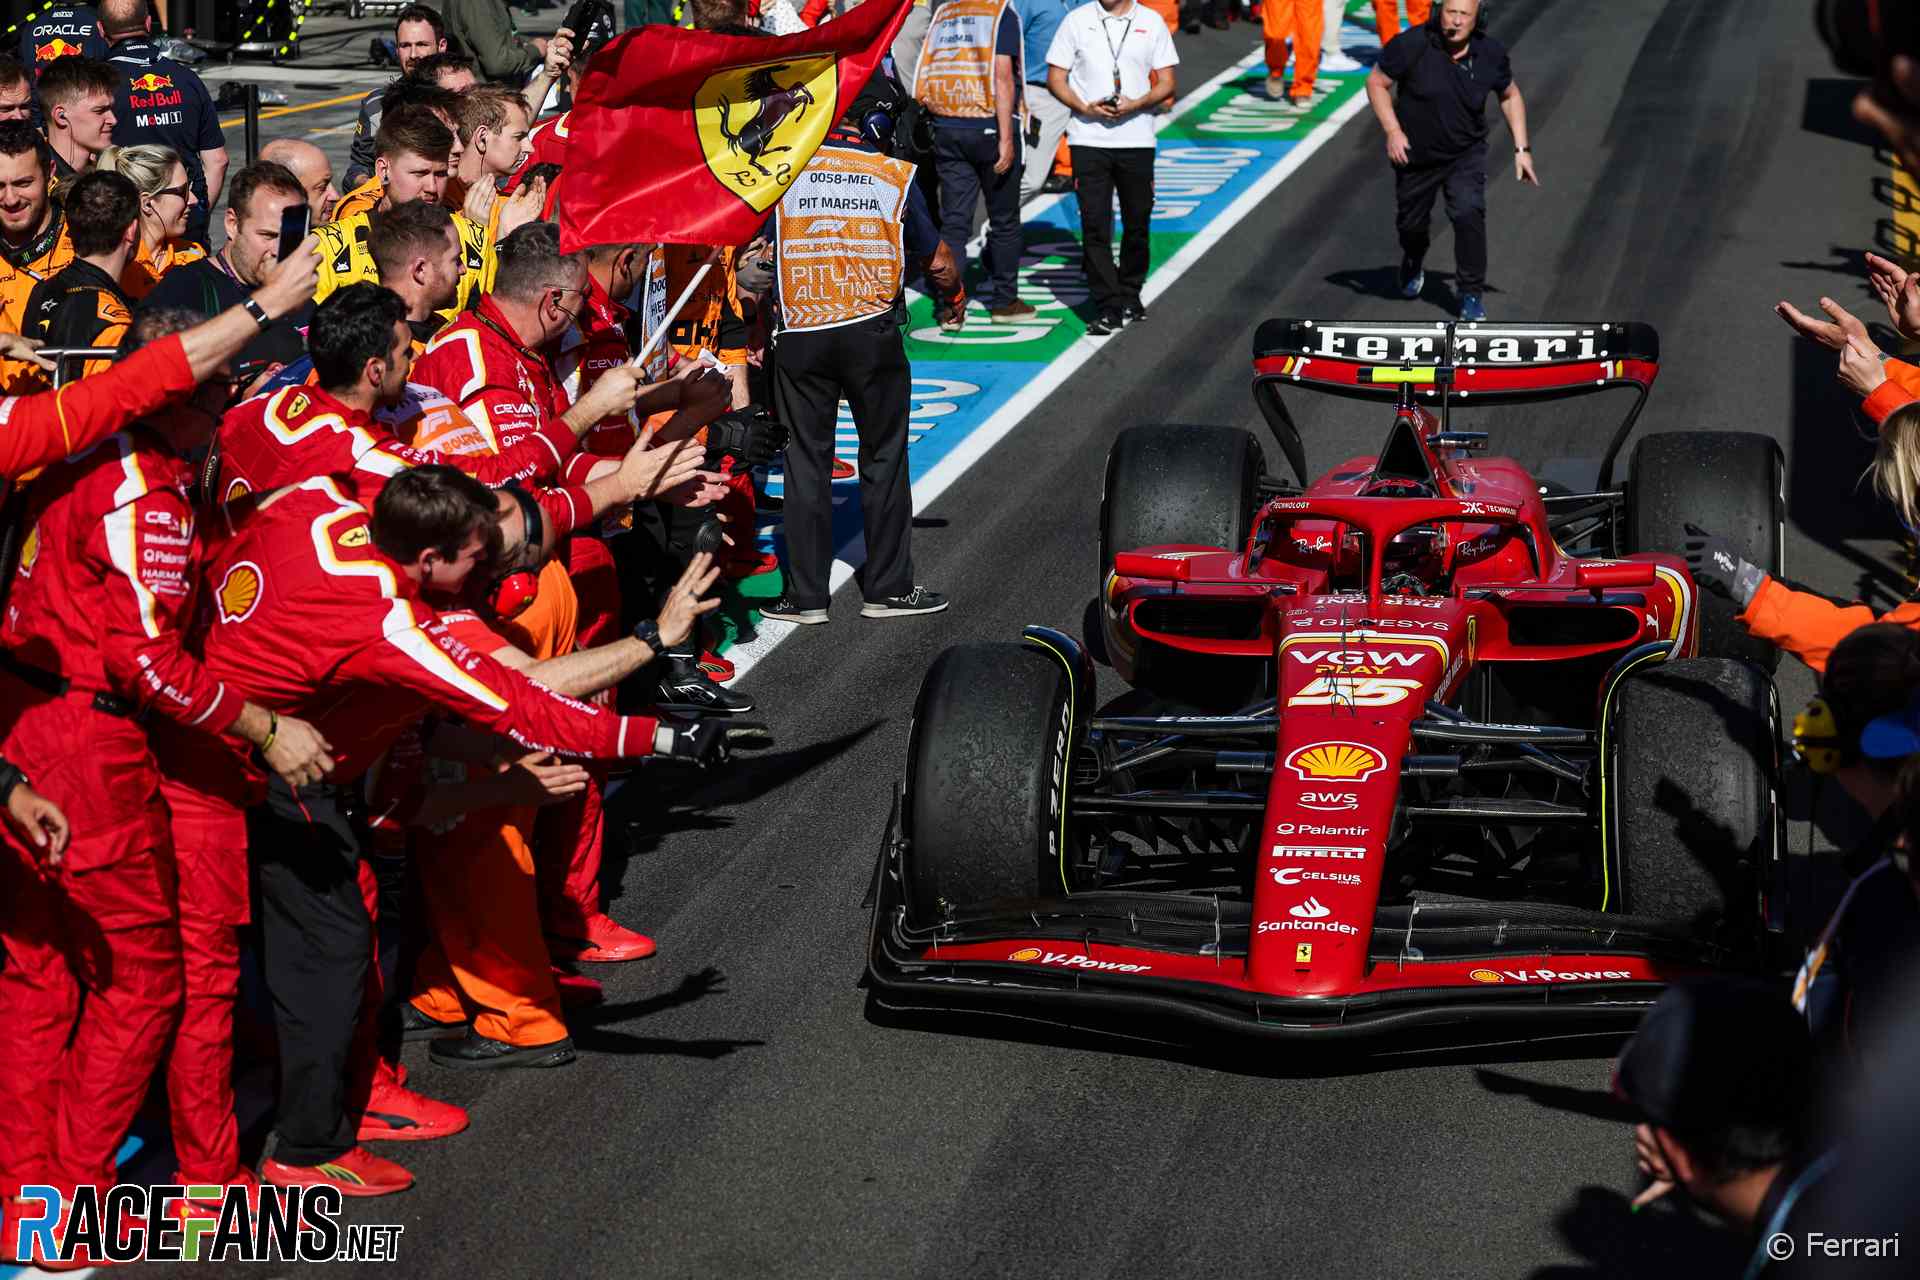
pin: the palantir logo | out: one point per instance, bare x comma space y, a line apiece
1311, 909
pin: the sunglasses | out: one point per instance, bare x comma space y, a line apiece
183, 190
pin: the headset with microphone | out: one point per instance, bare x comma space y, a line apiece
1820, 742
512, 592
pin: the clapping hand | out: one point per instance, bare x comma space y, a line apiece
1900, 290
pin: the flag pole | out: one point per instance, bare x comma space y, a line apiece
659, 335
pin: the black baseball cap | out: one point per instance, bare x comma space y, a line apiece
1715, 1053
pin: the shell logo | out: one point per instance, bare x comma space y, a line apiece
1484, 975
1351, 761
1026, 953
29, 552
239, 591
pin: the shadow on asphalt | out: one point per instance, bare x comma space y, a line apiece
591, 1026
1251, 1055
1665, 1240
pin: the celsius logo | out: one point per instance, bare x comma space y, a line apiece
1309, 910
1328, 801
1034, 955
1294, 875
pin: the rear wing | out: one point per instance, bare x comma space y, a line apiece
1438, 362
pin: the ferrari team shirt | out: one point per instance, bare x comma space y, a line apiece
1096, 48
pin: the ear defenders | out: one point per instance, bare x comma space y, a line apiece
1816, 738
513, 592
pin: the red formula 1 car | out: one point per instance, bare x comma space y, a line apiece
1426, 741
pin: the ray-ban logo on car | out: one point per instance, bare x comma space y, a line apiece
1346, 761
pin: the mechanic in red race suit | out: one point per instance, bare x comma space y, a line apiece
319, 611
93, 645
288, 435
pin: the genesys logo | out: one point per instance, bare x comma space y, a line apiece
1547, 975
1329, 801
1295, 875
1351, 853
1306, 926
1066, 960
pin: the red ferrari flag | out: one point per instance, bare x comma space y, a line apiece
689, 137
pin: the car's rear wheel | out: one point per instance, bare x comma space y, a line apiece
987, 780
1182, 484
1731, 483
1689, 810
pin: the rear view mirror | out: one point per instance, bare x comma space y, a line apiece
1617, 573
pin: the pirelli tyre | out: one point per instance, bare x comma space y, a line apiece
1732, 483
1690, 824
985, 813
1180, 483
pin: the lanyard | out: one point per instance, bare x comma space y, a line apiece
1114, 46
1808, 1176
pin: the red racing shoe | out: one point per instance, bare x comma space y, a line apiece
607, 942
843, 470
577, 990
718, 669
359, 1172
397, 1114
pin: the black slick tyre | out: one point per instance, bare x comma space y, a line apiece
986, 780
1689, 813
1731, 483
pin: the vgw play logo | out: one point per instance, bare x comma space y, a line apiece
129, 1223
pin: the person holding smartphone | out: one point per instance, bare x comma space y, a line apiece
1112, 64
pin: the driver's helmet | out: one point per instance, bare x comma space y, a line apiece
1415, 558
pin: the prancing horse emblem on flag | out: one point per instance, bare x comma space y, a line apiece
760, 124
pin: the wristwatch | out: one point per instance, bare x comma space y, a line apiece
647, 632
11, 776
1523, 150
258, 312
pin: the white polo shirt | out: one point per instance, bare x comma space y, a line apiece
1090, 45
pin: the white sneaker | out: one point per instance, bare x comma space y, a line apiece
1339, 63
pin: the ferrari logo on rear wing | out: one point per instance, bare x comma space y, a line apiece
1438, 362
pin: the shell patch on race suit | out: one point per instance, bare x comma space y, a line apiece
239, 591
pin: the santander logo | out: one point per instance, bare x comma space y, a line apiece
1311, 909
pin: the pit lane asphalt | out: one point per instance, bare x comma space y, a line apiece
1698, 165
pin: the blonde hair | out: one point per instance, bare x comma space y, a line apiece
1896, 462
147, 166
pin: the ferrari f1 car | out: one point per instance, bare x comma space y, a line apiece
1423, 741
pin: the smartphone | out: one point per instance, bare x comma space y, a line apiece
293, 229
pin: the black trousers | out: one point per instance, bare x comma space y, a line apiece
866, 363
964, 158
1098, 172
1464, 179
316, 937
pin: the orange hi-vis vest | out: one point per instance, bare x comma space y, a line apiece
841, 257
954, 77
